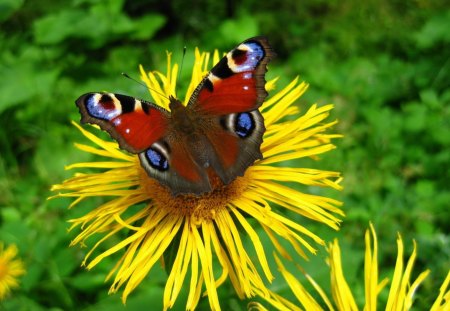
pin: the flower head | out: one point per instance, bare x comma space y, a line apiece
10, 269
400, 295
204, 234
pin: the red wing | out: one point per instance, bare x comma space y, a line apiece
236, 139
135, 124
171, 161
184, 166
236, 83
226, 146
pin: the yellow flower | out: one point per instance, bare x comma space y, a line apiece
10, 269
204, 234
401, 292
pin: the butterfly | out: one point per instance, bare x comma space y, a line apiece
219, 131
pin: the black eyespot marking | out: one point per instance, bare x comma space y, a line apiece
208, 85
244, 124
157, 160
237, 53
106, 99
239, 56
221, 70
127, 103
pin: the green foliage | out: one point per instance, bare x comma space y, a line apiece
384, 64
8, 8
97, 25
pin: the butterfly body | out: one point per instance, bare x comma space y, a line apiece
183, 119
219, 131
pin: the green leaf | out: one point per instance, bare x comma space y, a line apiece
87, 281
236, 30
146, 27
25, 82
54, 28
65, 262
415, 117
434, 31
94, 25
9, 7
9, 214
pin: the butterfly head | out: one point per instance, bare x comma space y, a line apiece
175, 104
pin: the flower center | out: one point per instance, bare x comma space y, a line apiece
199, 207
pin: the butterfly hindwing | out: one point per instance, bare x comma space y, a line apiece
135, 124
236, 141
171, 162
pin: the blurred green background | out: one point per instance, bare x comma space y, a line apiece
384, 64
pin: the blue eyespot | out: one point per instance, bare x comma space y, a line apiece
157, 160
101, 108
244, 124
253, 56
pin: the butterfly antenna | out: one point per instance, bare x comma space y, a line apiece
181, 65
144, 85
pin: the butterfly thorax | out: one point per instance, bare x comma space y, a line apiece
182, 119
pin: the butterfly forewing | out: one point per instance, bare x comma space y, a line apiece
135, 124
236, 83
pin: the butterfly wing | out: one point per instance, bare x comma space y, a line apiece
172, 162
135, 124
236, 83
236, 141
229, 97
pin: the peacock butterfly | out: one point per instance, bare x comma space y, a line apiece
219, 130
